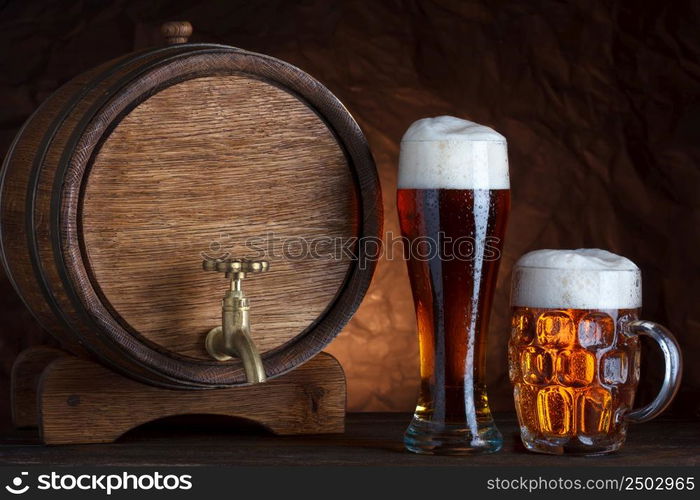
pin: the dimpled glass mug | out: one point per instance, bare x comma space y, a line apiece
574, 350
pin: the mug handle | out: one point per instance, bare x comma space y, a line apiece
672, 376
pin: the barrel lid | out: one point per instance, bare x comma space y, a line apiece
213, 152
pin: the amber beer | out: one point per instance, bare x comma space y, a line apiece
453, 201
573, 352
572, 371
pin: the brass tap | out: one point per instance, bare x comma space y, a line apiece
233, 337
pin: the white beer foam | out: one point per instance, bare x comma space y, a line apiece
450, 153
587, 278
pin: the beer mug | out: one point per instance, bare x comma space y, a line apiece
574, 350
453, 200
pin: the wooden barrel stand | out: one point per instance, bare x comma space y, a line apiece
72, 400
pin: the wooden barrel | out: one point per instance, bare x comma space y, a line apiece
128, 175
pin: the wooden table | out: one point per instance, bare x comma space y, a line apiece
370, 439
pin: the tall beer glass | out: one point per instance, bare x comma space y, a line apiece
453, 200
574, 350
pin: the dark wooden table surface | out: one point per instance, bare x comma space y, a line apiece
370, 439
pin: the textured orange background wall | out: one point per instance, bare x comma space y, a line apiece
600, 103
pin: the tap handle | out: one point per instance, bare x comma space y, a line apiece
233, 337
240, 267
